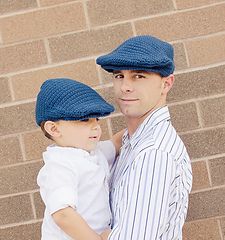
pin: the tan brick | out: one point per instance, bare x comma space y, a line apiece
108, 95
182, 4
188, 24
19, 178
103, 12
16, 5
17, 118
28, 232
198, 84
222, 224
183, 114
206, 204
206, 51
200, 175
39, 205
22, 56
35, 143
5, 95
53, 2
217, 171
88, 42
63, 18
15, 209
118, 123
179, 56
205, 143
27, 85
105, 130
106, 76
10, 151
202, 230
213, 111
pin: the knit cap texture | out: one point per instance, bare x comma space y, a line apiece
67, 99
140, 53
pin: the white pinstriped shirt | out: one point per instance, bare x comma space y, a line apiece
150, 183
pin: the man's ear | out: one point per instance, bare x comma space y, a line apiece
168, 83
52, 129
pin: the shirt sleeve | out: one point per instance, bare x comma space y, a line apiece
145, 203
58, 187
108, 149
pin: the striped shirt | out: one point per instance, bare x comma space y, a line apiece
150, 182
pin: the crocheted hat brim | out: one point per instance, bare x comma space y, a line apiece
164, 71
145, 53
67, 99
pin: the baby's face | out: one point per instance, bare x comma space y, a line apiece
80, 134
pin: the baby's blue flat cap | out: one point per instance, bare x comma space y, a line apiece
67, 99
140, 53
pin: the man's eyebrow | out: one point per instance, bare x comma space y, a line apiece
133, 71
116, 71
139, 71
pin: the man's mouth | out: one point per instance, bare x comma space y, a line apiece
128, 99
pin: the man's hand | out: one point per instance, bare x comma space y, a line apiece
117, 140
104, 235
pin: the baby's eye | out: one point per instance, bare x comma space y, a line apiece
97, 119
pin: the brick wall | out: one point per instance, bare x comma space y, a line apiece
40, 39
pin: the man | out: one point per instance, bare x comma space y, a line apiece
152, 177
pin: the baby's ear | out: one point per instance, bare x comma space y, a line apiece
52, 129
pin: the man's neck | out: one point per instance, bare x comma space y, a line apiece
134, 122
132, 125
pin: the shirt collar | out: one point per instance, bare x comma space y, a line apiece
157, 116
60, 150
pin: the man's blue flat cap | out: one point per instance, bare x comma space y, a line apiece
67, 99
140, 53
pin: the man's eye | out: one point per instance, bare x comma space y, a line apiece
139, 76
85, 120
117, 76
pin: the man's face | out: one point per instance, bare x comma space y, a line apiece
138, 92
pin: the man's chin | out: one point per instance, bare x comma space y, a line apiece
131, 114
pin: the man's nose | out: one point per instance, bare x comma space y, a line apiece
126, 85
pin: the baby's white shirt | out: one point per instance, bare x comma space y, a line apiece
73, 177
